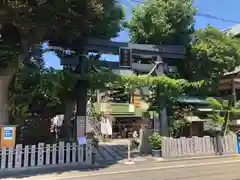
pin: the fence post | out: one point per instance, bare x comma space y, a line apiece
3, 158
195, 145
48, 149
26, 153
18, 156
54, 153
10, 158
88, 152
61, 153
163, 147
80, 153
33, 155
40, 154
219, 145
183, 146
74, 152
68, 153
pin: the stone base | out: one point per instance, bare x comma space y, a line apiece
129, 162
158, 159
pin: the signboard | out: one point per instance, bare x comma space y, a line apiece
125, 58
8, 133
7, 136
81, 123
82, 140
238, 143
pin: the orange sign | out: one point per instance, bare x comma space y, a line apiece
8, 136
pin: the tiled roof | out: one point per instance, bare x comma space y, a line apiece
234, 30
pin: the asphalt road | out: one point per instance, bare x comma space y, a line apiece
214, 172
208, 169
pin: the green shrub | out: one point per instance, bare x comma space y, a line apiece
156, 141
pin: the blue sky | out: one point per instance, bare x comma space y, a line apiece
227, 9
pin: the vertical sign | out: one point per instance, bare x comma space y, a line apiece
125, 58
81, 123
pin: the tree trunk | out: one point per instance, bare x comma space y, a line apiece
225, 124
66, 130
4, 114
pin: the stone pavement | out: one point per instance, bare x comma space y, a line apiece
115, 151
111, 153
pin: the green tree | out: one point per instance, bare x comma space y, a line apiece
25, 23
212, 53
223, 112
34, 98
162, 22
168, 22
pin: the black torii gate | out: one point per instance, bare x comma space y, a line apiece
110, 47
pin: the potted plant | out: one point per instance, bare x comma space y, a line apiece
155, 140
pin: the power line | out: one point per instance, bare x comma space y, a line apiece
200, 14
216, 18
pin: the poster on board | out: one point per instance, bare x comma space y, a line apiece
8, 133
82, 140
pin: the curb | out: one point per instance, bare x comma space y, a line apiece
195, 158
150, 159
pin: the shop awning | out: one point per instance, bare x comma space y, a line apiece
193, 119
192, 100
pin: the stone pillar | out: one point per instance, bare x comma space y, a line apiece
162, 102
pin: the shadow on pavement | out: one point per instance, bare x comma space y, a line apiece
105, 156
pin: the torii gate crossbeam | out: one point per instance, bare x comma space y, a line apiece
138, 50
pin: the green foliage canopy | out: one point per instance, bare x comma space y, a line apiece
212, 54
162, 22
25, 23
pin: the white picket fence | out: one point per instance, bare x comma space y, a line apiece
199, 146
49, 154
